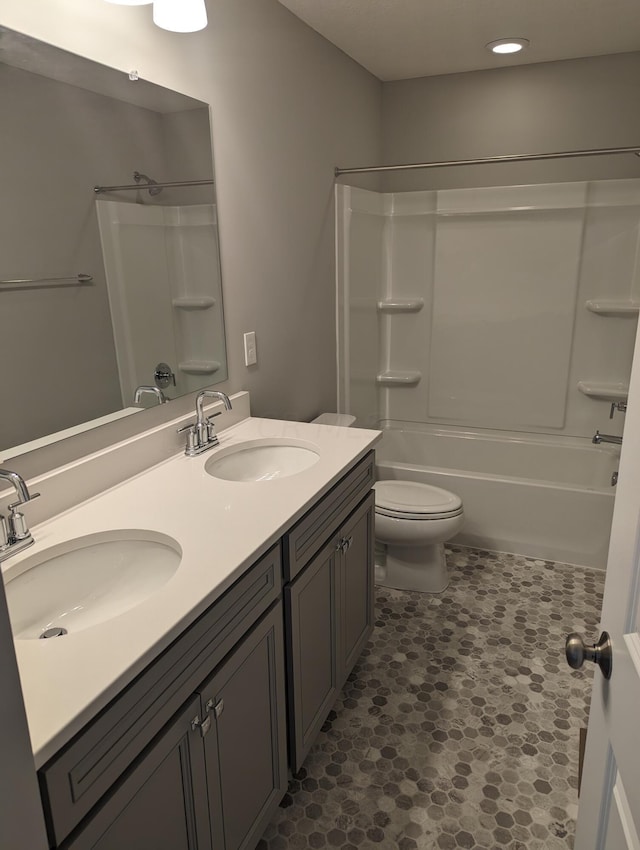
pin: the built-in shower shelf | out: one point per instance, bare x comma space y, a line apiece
614, 306
603, 390
398, 378
194, 302
199, 367
401, 305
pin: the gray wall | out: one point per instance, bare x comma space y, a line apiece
59, 141
47, 219
286, 108
572, 105
187, 149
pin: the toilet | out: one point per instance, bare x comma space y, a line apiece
412, 523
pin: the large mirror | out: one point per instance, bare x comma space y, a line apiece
109, 290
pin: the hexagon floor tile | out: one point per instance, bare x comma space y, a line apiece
459, 726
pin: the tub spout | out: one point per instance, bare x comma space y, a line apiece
606, 438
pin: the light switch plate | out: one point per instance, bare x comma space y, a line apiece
250, 352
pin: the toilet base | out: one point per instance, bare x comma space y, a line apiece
421, 568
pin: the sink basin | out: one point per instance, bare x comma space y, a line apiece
88, 580
262, 460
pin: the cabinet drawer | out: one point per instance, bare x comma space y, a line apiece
312, 531
77, 777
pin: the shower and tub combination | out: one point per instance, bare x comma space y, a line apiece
489, 332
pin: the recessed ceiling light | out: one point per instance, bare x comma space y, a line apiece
508, 45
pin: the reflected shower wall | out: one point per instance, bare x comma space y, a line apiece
165, 292
507, 308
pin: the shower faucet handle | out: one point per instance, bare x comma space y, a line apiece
617, 405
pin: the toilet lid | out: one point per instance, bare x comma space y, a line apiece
414, 499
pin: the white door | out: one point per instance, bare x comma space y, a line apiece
609, 809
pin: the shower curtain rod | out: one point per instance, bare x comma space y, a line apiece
488, 160
100, 189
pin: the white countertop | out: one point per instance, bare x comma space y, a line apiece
222, 527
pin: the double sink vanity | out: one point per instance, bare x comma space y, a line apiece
209, 610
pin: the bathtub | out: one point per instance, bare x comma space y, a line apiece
544, 497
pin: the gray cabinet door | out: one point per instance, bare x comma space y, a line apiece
356, 566
245, 749
162, 802
312, 613
329, 615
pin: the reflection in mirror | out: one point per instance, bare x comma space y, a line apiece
101, 293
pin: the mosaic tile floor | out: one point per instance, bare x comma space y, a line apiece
459, 726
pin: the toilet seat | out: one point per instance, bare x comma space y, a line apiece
414, 501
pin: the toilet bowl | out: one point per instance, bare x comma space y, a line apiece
413, 521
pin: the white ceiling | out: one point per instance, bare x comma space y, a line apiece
399, 39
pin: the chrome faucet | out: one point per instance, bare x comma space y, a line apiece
201, 434
14, 532
156, 391
606, 438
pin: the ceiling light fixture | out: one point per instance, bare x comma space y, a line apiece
180, 15
173, 15
504, 46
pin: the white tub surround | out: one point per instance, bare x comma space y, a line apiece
221, 528
499, 307
538, 496
181, 261
498, 324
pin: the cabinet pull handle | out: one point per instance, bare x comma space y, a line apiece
216, 707
202, 725
344, 544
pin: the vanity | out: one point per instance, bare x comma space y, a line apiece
174, 723
204, 611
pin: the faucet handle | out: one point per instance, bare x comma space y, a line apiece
17, 525
617, 405
13, 508
4, 534
212, 437
192, 437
